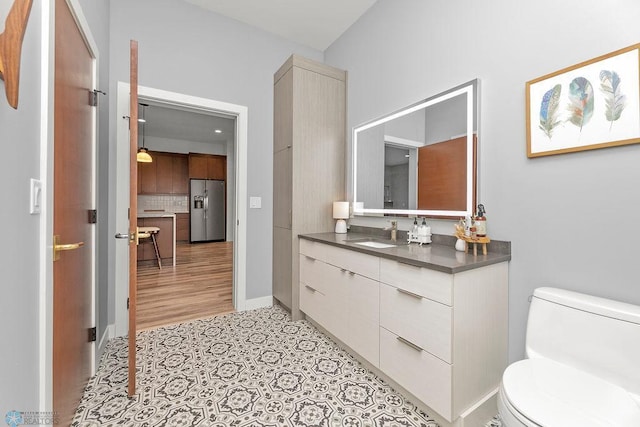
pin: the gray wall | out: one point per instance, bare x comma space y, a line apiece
569, 216
185, 49
20, 253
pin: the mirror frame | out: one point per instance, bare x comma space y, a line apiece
472, 111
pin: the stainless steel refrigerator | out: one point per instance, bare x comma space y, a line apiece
206, 197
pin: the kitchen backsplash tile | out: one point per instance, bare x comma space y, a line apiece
168, 203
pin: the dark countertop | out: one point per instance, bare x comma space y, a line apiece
435, 256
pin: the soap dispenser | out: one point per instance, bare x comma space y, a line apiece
481, 222
414, 229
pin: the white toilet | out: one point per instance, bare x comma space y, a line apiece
582, 367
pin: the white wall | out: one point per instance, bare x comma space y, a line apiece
20, 251
569, 217
186, 49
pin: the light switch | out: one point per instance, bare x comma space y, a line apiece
35, 197
255, 202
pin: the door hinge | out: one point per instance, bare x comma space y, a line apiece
127, 303
93, 97
93, 216
92, 334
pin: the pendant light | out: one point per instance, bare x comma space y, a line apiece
143, 155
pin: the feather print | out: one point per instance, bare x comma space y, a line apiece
613, 99
580, 101
549, 110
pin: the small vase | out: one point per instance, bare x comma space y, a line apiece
461, 245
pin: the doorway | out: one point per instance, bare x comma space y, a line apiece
238, 227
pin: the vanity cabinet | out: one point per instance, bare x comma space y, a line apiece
340, 292
308, 164
440, 336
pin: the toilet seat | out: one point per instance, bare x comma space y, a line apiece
547, 393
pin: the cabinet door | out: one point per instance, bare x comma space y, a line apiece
217, 167
282, 188
282, 266
283, 113
182, 227
147, 176
164, 173
180, 181
197, 166
363, 320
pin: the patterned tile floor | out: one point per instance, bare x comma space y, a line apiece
254, 368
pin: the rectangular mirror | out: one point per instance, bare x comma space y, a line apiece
420, 160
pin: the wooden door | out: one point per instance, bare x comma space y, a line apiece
73, 194
133, 213
442, 183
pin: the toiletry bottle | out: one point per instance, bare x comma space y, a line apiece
481, 222
422, 231
467, 226
414, 229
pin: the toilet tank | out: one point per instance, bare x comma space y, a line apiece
596, 335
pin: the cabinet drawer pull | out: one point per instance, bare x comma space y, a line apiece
343, 270
408, 263
352, 273
409, 343
310, 288
309, 258
411, 294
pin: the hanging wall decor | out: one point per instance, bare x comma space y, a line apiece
594, 104
11, 48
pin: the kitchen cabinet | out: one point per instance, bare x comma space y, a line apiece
182, 227
164, 239
308, 163
207, 166
167, 174
440, 336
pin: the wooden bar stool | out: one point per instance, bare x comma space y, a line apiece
152, 231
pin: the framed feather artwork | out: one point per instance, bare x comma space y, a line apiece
594, 104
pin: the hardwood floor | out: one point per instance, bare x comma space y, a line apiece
200, 285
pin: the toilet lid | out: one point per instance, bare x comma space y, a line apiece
552, 394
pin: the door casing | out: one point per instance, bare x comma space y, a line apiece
122, 184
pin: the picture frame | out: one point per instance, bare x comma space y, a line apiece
590, 105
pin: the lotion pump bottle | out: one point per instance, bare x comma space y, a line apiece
414, 229
481, 222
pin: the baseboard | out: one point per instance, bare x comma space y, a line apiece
262, 302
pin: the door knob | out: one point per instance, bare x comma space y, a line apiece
58, 247
134, 236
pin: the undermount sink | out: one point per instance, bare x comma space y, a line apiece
374, 244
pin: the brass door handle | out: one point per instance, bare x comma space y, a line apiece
58, 247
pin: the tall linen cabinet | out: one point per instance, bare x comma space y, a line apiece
308, 163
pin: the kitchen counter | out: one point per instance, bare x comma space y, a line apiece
163, 215
433, 256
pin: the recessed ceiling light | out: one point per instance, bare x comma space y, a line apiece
217, 131
142, 121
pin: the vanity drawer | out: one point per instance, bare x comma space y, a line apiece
431, 284
313, 249
422, 321
326, 310
421, 373
317, 274
356, 262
